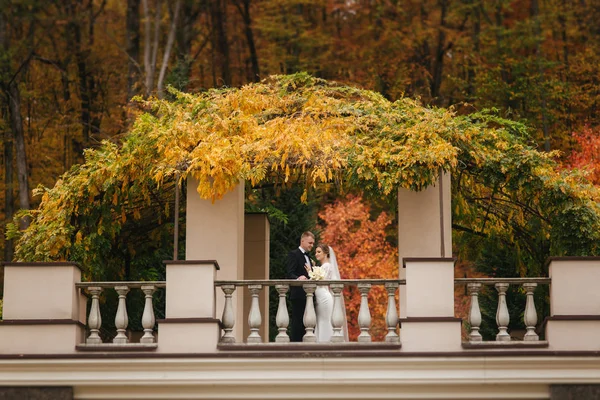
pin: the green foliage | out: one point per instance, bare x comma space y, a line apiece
305, 133
289, 218
499, 259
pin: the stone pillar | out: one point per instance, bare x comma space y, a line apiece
43, 312
256, 266
215, 231
574, 321
424, 226
190, 324
430, 324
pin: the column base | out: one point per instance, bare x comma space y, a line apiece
188, 335
433, 334
573, 332
40, 336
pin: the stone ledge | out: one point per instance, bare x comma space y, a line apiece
41, 322
104, 347
306, 347
41, 264
192, 262
513, 344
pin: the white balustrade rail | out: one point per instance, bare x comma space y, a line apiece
282, 318
94, 320
530, 317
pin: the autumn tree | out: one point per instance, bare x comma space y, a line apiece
587, 154
363, 251
302, 129
535, 62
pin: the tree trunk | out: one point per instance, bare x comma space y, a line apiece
440, 51
535, 14
9, 198
185, 35
150, 44
250, 39
476, 50
132, 38
167, 52
16, 124
9, 206
220, 43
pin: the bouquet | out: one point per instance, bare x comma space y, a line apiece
317, 274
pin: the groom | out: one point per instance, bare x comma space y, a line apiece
296, 261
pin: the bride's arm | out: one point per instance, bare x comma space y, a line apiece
328, 271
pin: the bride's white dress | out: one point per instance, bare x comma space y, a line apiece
324, 330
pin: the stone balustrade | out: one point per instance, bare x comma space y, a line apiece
255, 319
501, 285
121, 321
46, 300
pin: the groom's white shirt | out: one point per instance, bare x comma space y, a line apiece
305, 255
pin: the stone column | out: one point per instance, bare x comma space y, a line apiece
424, 226
430, 324
190, 324
215, 231
256, 266
43, 312
574, 321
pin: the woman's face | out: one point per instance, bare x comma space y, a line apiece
319, 255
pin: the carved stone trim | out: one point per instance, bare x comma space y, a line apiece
193, 262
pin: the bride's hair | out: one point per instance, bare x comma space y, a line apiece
324, 248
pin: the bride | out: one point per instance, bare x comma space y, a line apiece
324, 298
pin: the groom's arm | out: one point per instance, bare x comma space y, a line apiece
291, 266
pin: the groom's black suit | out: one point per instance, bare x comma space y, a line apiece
295, 268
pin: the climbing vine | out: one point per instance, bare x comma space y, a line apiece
303, 130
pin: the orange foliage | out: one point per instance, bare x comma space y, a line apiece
362, 252
588, 155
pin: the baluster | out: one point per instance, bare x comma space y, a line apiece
254, 318
148, 318
530, 315
282, 318
502, 316
310, 317
94, 319
121, 319
392, 314
337, 316
228, 318
364, 315
474, 312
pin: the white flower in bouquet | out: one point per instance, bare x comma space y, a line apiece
317, 274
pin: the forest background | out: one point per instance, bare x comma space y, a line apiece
69, 69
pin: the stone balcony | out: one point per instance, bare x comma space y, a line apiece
49, 337
48, 310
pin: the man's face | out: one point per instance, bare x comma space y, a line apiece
307, 243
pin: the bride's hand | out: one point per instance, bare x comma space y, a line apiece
307, 268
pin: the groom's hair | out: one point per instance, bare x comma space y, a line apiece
307, 234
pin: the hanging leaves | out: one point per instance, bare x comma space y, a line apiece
297, 128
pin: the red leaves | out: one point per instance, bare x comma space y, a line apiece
362, 252
588, 155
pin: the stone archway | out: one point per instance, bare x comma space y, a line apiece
217, 230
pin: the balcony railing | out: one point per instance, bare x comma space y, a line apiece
503, 337
204, 315
121, 321
282, 319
